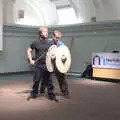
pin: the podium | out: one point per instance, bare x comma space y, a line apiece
106, 65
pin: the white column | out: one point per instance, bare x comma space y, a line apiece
1, 25
8, 11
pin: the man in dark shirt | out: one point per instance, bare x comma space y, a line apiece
60, 76
40, 73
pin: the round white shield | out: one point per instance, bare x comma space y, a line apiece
63, 59
51, 55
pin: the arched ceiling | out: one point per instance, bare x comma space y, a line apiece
85, 10
61, 3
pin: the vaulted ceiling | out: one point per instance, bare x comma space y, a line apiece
84, 10
61, 3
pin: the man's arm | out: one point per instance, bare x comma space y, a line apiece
29, 56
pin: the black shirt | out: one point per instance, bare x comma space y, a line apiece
41, 48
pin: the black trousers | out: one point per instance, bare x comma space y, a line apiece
41, 74
62, 83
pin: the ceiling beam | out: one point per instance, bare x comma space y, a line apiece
63, 6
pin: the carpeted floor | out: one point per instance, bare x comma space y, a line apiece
90, 100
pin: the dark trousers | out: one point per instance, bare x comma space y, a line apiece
41, 74
62, 83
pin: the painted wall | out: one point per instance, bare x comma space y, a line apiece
82, 39
15, 42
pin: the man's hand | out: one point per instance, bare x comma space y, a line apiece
32, 62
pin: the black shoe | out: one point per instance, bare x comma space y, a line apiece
52, 97
32, 96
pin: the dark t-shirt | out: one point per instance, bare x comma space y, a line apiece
41, 48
